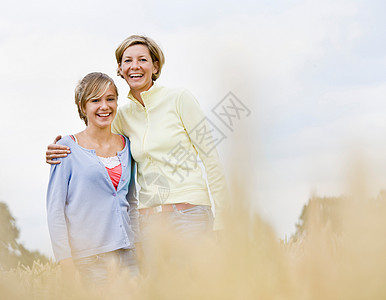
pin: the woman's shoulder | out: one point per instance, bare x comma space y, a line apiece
173, 90
125, 106
124, 109
176, 95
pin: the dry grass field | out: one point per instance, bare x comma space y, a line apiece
247, 262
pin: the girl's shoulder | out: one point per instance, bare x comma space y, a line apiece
120, 138
66, 141
123, 139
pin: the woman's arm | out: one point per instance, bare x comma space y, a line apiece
192, 116
56, 151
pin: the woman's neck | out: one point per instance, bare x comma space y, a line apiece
137, 94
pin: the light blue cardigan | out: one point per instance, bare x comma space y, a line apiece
86, 215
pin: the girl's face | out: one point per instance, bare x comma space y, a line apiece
101, 112
137, 68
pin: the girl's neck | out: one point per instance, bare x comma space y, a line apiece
102, 140
97, 135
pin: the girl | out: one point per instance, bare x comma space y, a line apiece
91, 205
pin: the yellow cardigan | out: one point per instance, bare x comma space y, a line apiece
166, 135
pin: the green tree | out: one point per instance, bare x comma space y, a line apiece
12, 252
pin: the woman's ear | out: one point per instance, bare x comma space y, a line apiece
119, 70
155, 67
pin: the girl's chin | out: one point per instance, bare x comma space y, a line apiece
100, 125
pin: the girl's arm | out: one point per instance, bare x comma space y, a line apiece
56, 203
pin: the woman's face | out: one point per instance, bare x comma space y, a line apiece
137, 68
101, 112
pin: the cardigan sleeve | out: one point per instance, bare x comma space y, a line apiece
55, 204
133, 202
194, 119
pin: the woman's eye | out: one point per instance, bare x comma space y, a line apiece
127, 60
111, 99
143, 59
94, 100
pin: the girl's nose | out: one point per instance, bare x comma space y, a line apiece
104, 104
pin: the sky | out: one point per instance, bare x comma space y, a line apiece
312, 75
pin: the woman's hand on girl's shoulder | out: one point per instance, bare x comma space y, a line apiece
56, 151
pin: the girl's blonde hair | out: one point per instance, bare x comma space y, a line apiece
92, 86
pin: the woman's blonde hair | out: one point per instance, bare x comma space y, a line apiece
92, 86
155, 52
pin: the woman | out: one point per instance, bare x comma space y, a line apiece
91, 205
161, 124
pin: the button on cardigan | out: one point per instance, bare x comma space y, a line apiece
86, 215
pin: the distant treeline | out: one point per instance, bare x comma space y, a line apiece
330, 212
12, 252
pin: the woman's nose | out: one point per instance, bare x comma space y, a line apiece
134, 64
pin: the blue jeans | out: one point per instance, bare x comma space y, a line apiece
190, 224
97, 269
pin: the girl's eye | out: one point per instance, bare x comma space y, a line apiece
127, 60
143, 59
94, 100
111, 99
